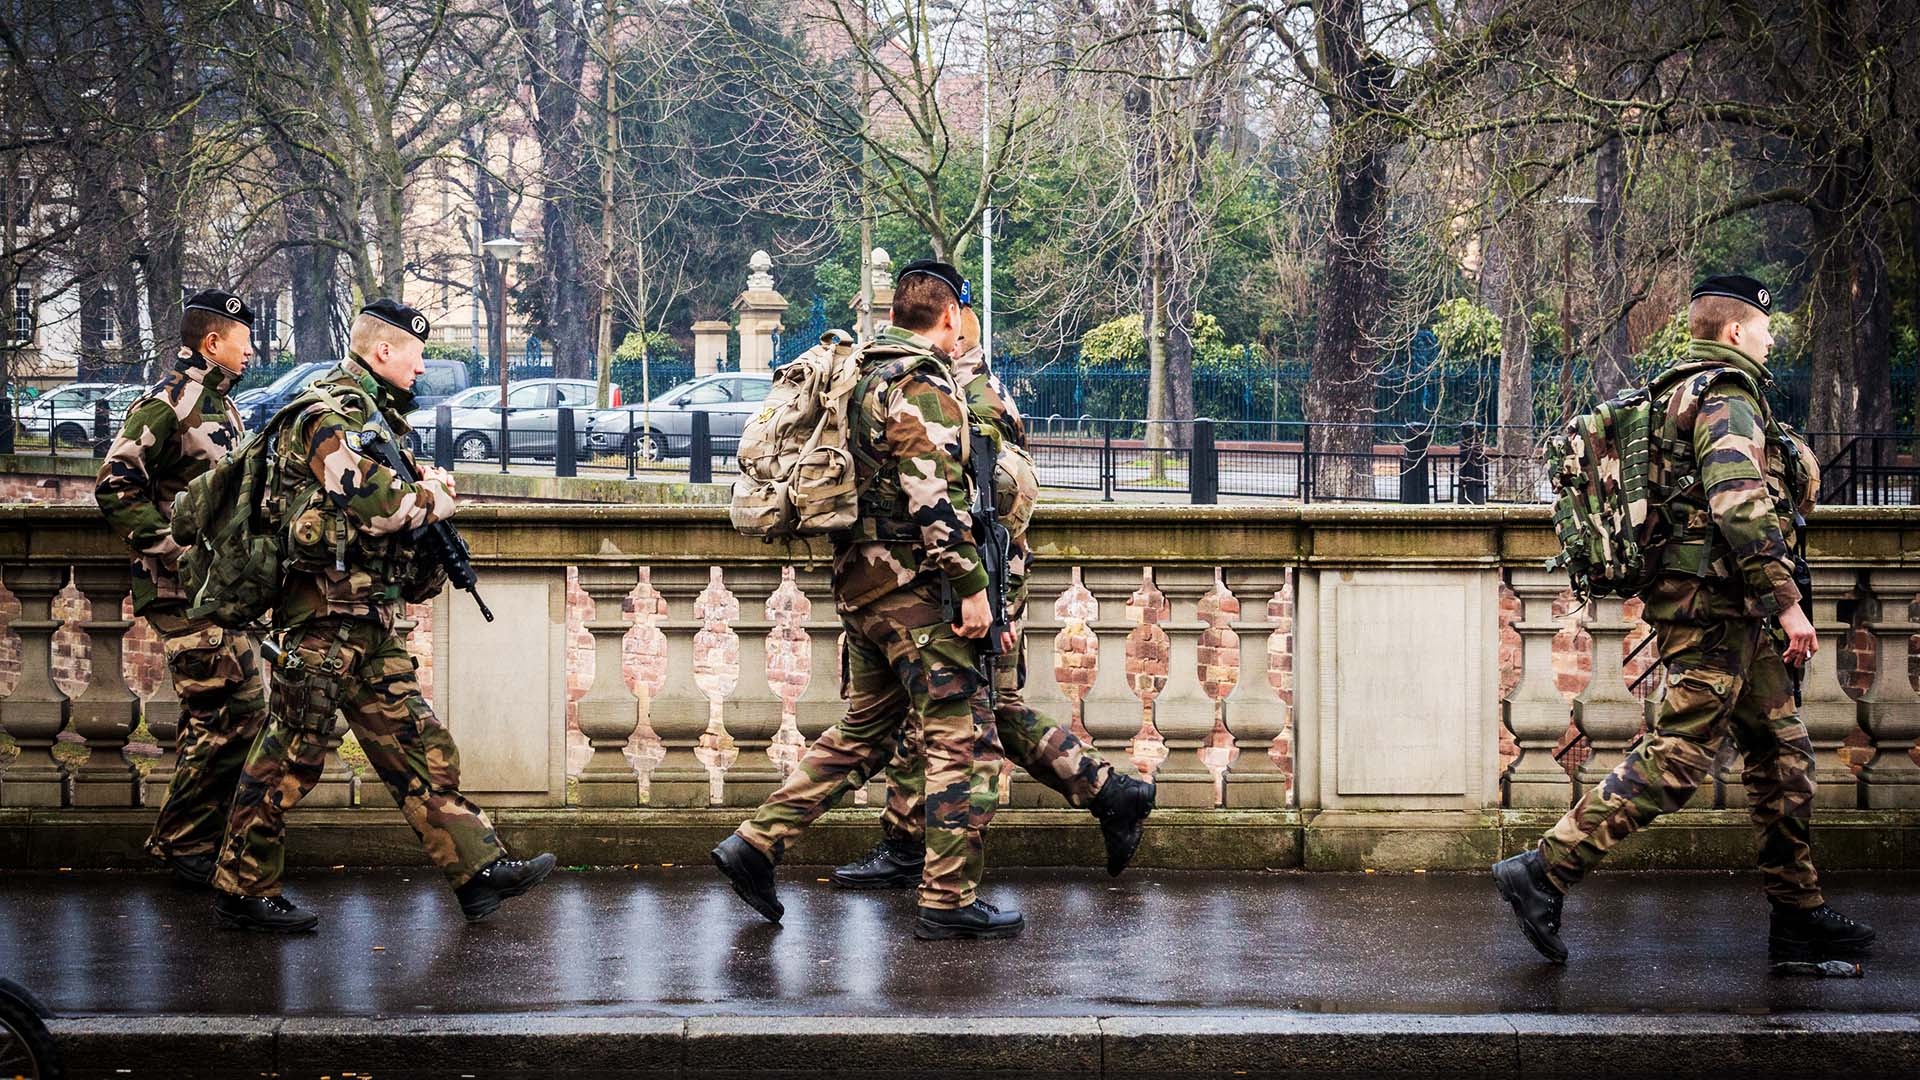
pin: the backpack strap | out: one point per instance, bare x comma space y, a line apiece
1695, 557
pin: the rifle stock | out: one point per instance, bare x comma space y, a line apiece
990, 537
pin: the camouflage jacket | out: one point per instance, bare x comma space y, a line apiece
178, 430
351, 538
1730, 555
995, 413
908, 427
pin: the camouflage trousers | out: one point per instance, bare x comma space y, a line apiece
223, 705
1723, 678
1049, 751
904, 672
361, 669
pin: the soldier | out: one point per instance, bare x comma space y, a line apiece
1726, 613
183, 425
1047, 750
898, 576
351, 562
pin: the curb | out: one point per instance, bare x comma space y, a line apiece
1300, 1045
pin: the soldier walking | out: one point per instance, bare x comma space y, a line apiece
351, 563
911, 592
1049, 751
177, 431
1726, 613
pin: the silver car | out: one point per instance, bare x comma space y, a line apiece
532, 408
663, 427
67, 413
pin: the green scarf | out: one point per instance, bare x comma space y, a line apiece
1720, 353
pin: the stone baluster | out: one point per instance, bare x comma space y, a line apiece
645, 655
1061, 664
1608, 715
1217, 667
789, 668
1829, 713
1264, 777
1183, 714
1890, 709
716, 671
1109, 708
32, 714
609, 713
754, 710
1536, 711
1149, 655
679, 713
106, 709
161, 711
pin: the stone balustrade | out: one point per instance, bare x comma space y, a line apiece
1330, 660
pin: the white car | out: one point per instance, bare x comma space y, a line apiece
67, 413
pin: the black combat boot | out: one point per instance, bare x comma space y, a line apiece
1122, 807
892, 864
501, 880
751, 875
978, 921
1523, 881
194, 871
1815, 933
273, 914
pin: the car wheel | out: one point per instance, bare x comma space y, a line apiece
473, 446
648, 445
70, 435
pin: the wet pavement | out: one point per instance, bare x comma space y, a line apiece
675, 942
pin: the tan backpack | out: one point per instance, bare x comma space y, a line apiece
796, 465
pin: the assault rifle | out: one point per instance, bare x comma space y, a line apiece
439, 541
994, 544
1802, 580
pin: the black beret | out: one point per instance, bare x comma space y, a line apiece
1738, 287
224, 304
962, 288
389, 310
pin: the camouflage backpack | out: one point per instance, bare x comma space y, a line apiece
1612, 483
796, 464
229, 521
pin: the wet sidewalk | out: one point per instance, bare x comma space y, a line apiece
675, 942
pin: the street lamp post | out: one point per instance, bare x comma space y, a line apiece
504, 249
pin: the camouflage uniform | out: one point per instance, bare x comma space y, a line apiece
1727, 573
183, 425
1046, 749
906, 673
350, 521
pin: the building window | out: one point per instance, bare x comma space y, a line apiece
22, 314
270, 318
22, 199
107, 326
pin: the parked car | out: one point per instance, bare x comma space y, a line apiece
67, 413
441, 380
663, 427
533, 408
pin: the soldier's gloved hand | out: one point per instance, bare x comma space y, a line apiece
976, 616
1802, 641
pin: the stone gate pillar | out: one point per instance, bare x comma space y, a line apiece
709, 345
760, 309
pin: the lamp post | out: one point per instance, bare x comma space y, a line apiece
504, 249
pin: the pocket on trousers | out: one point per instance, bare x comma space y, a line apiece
196, 656
949, 662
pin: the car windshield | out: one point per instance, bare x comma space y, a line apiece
74, 396
125, 394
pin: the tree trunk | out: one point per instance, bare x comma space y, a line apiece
1872, 321
313, 278
1607, 232
555, 48
1353, 297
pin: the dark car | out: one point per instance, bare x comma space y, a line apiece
441, 380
